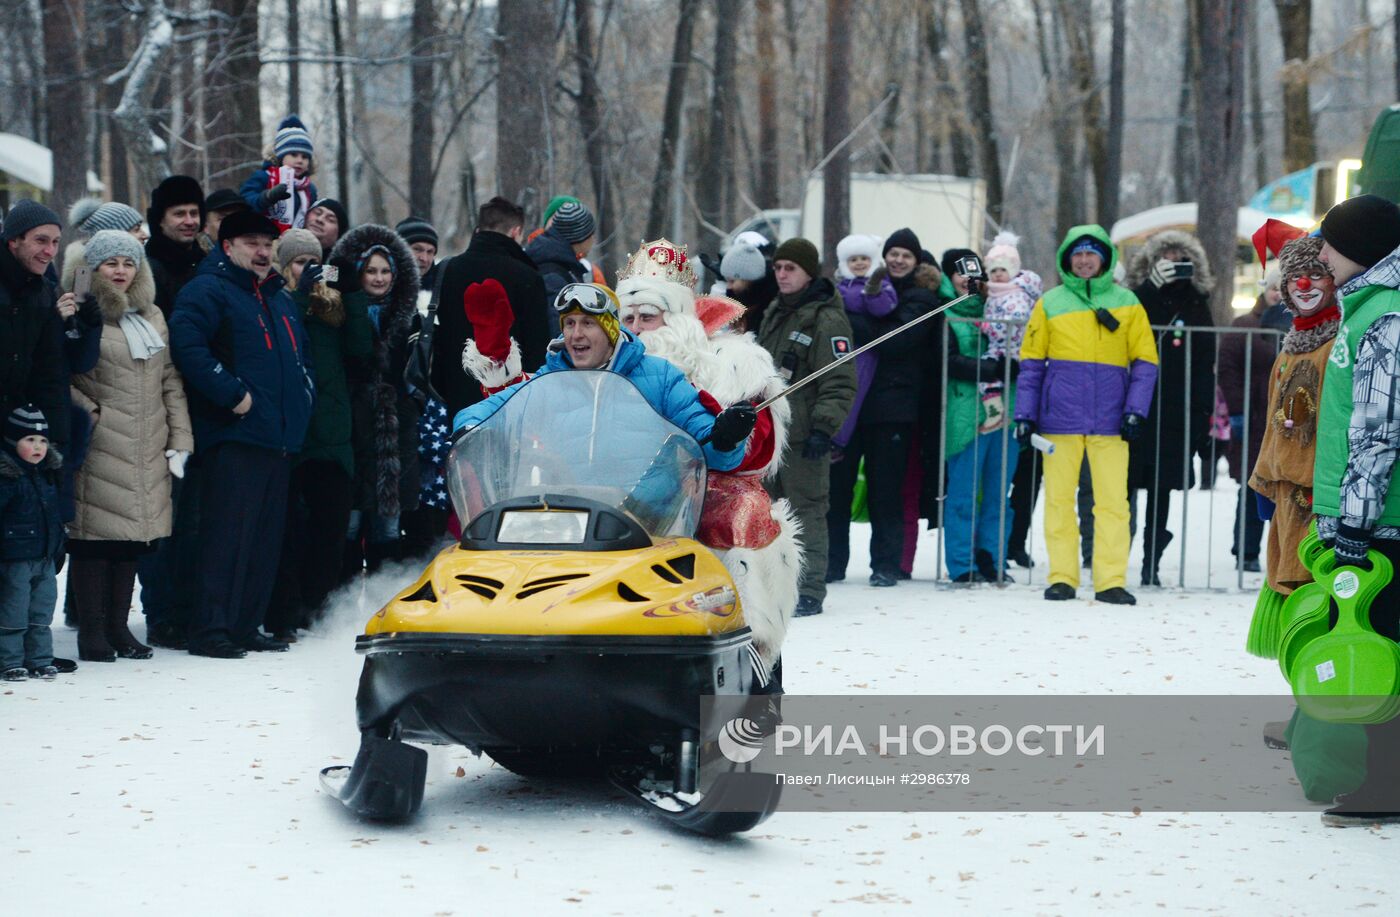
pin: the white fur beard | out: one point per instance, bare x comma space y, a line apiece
681, 342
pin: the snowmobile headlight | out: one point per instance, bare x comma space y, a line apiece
543, 527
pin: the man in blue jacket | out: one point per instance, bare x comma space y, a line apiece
592, 338
236, 337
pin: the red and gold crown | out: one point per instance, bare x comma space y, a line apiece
660, 260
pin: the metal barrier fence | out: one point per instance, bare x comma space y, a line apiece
1163, 401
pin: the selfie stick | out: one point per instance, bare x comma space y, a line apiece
810, 377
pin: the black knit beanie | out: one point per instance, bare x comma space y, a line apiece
801, 253
417, 229
1364, 229
905, 239
25, 420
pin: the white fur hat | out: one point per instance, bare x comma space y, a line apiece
854, 245
1003, 253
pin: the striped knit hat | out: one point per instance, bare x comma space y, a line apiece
417, 229
292, 137
573, 222
25, 420
91, 215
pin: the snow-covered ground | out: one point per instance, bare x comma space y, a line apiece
183, 785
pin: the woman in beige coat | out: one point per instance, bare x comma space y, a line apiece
141, 436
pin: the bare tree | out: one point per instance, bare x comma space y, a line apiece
342, 107
1184, 143
769, 160
1111, 185
718, 156
133, 117
1220, 116
294, 56
659, 213
234, 96
1069, 177
836, 124
525, 76
980, 104
1256, 100
590, 114
65, 108
1077, 21
946, 101
423, 85
1295, 26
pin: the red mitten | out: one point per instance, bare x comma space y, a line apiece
488, 310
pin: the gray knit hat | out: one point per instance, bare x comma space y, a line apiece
91, 215
25, 420
26, 215
743, 262
295, 243
573, 222
112, 243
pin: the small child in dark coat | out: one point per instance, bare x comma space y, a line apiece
31, 535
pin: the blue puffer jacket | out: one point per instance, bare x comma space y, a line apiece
663, 386
30, 527
231, 336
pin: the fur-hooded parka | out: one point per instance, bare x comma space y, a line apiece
1151, 253
385, 417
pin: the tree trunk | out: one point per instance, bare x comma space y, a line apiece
423, 84
293, 53
659, 214
836, 124
980, 104
65, 108
1111, 187
766, 192
590, 116
342, 112
1069, 191
719, 141
1220, 117
146, 151
525, 68
366, 149
889, 131
1256, 100
1078, 21
1295, 25
946, 95
234, 97
1184, 143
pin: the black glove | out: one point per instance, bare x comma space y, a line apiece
310, 276
1025, 429
817, 446
733, 425
877, 276
349, 280
1131, 427
1351, 546
273, 195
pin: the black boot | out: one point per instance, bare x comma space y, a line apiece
1152, 559
118, 634
90, 581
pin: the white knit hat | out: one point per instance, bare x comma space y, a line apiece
112, 243
1003, 253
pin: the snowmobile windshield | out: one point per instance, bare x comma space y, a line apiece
582, 433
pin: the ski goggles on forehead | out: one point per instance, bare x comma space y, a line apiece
589, 297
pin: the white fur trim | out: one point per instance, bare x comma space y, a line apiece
672, 298
488, 372
741, 369
767, 581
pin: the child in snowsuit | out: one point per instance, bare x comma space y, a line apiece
866, 291
282, 189
30, 539
1010, 296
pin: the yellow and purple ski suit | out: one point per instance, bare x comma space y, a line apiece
1078, 379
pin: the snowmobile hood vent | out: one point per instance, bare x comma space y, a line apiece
536, 586
484, 586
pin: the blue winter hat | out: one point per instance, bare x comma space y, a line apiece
292, 137
1087, 244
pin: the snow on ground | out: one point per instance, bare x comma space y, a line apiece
182, 784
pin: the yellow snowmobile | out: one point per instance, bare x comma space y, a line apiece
575, 627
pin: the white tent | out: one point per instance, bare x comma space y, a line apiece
30, 163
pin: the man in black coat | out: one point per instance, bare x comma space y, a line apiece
33, 367
494, 254
176, 217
